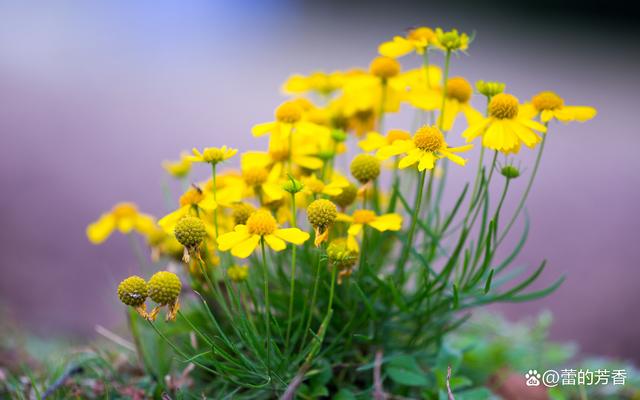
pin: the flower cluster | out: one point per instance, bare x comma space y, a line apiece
239, 233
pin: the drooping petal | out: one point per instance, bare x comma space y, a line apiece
292, 235
169, 221
344, 218
411, 158
275, 243
398, 147
246, 247
453, 157
354, 229
308, 162
427, 161
536, 126
528, 137
546, 115
263, 129
99, 231
231, 239
145, 224
475, 130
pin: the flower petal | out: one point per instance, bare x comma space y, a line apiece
99, 231
231, 239
245, 248
275, 242
292, 235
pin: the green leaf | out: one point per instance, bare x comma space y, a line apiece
344, 394
487, 285
405, 370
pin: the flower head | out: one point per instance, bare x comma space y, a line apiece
321, 214
360, 218
365, 168
242, 212
319, 82
213, 155
510, 171
238, 273
133, 292
551, 106
384, 67
164, 289
417, 39
426, 146
123, 217
180, 168
260, 226
190, 232
347, 196
490, 89
505, 129
342, 256
452, 40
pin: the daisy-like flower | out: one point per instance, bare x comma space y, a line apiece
374, 141
212, 155
426, 146
360, 218
260, 226
288, 117
123, 217
319, 82
551, 106
457, 101
179, 168
505, 129
314, 186
417, 39
193, 202
452, 40
303, 154
264, 182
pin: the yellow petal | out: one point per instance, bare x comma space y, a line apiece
396, 48
410, 159
145, 224
263, 129
231, 239
453, 157
292, 235
245, 248
576, 113
275, 242
372, 141
169, 221
354, 229
344, 218
427, 161
99, 231
387, 222
475, 130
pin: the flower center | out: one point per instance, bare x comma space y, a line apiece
547, 101
397, 134
288, 112
255, 176
363, 216
421, 34
213, 155
124, 210
428, 138
261, 223
384, 67
191, 197
459, 89
503, 106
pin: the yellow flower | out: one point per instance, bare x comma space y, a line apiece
193, 202
417, 39
288, 118
506, 128
426, 146
260, 226
264, 183
303, 154
452, 40
360, 218
313, 186
213, 155
125, 218
374, 141
319, 82
238, 273
180, 168
549, 105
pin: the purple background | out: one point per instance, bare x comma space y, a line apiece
94, 97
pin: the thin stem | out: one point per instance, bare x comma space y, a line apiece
215, 198
447, 61
383, 100
363, 253
334, 270
267, 305
293, 273
502, 197
526, 192
414, 220
314, 294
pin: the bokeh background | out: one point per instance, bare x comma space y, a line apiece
94, 95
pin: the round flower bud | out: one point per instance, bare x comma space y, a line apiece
347, 197
384, 67
292, 186
164, 287
321, 214
510, 171
133, 291
490, 89
190, 231
365, 168
242, 212
340, 255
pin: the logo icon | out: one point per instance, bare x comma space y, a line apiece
532, 378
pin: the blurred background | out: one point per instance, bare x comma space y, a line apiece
94, 95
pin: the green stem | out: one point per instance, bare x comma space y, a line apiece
383, 100
526, 192
314, 294
215, 198
267, 305
334, 270
363, 252
135, 333
502, 197
414, 221
447, 61
293, 273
